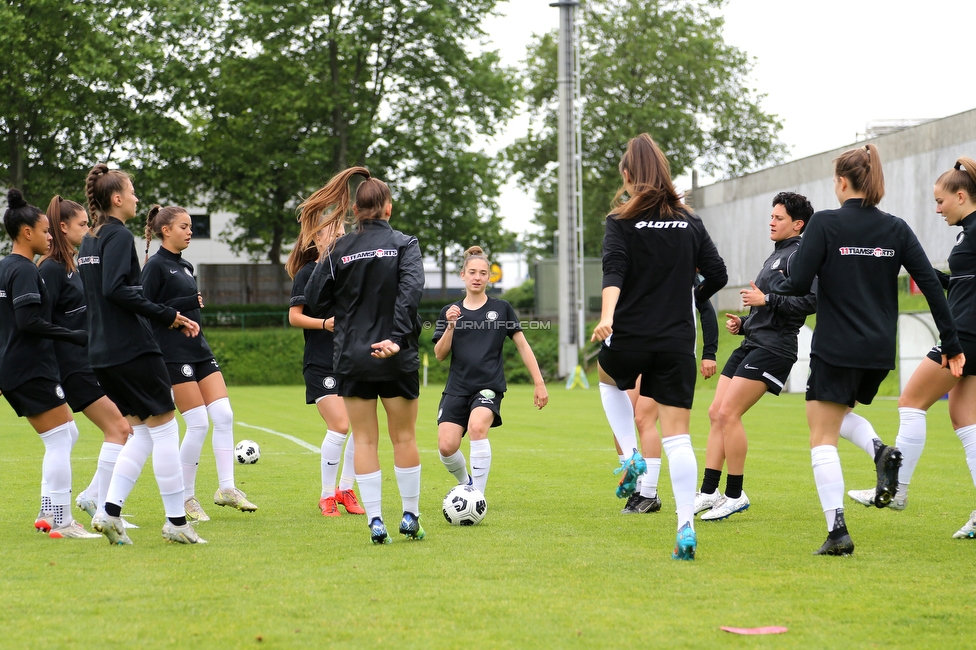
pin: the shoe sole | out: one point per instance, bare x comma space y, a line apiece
110, 533
837, 551
385, 539
742, 509
685, 551
887, 477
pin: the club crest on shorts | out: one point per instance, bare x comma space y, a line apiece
59, 391
187, 370
487, 393
329, 383
440, 412
492, 315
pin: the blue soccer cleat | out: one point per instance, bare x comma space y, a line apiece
410, 526
377, 532
632, 468
685, 545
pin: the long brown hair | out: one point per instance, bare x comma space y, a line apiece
334, 201
650, 178
157, 218
61, 210
862, 169
961, 177
474, 253
301, 255
100, 185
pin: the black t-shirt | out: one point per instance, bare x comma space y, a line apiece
476, 349
167, 279
318, 343
66, 308
962, 282
23, 356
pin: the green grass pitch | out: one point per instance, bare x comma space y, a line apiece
554, 564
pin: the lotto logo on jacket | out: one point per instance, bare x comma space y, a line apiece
867, 252
363, 255
661, 224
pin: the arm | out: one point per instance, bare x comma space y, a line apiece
943, 278
28, 319
918, 266
444, 334
616, 261
297, 319
320, 287
711, 266
604, 328
805, 262
410, 282
116, 252
709, 326
541, 396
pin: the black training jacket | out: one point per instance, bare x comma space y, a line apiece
118, 313
374, 277
962, 283
775, 325
167, 279
709, 325
856, 253
653, 261
67, 309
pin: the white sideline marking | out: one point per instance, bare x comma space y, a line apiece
297, 441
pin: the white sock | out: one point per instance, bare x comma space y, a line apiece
166, 467
129, 465
73, 432
223, 440
620, 415
480, 463
859, 431
967, 436
371, 494
348, 476
683, 468
457, 466
647, 483
829, 477
107, 458
197, 425
911, 441
408, 480
331, 454
56, 470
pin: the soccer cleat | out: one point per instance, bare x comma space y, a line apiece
843, 545
112, 528
349, 501
194, 511
887, 466
726, 508
647, 504
866, 498
410, 526
84, 502
707, 501
631, 507
181, 534
234, 497
969, 530
329, 507
686, 544
632, 468
74, 530
44, 522
377, 532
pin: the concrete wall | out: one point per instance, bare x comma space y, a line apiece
736, 212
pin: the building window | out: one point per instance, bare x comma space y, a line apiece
201, 225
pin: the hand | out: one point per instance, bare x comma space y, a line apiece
708, 368
955, 364
541, 397
330, 324
200, 300
603, 330
453, 313
190, 328
753, 297
384, 349
734, 324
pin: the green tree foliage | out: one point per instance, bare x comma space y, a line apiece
656, 66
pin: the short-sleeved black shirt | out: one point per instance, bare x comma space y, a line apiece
167, 279
476, 349
318, 343
66, 308
23, 356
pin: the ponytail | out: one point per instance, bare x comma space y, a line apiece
862, 169
961, 177
19, 213
60, 210
650, 178
100, 185
156, 219
474, 253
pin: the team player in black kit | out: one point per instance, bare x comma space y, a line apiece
321, 383
761, 364
198, 384
473, 331
855, 253
372, 280
126, 358
29, 375
652, 246
955, 200
69, 225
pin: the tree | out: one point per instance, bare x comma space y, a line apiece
656, 66
308, 89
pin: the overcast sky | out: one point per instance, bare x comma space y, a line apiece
827, 68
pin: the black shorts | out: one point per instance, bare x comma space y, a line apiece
35, 396
406, 386
456, 409
758, 364
968, 348
82, 390
666, 377
848, 386
181, 373
319, 382
139, 387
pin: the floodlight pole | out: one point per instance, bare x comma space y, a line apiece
570, 259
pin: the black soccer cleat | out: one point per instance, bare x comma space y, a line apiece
888, 464
843, 545
648, 504
631, 507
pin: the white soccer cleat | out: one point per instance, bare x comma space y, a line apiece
194, 511
866, 498
112, 528
969, 530
84, 502
74, 530
706, 501
234, 498
181, 534
726, 508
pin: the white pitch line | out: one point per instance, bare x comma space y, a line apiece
297, 441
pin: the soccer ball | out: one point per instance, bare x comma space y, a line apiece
247, 452
464, 505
